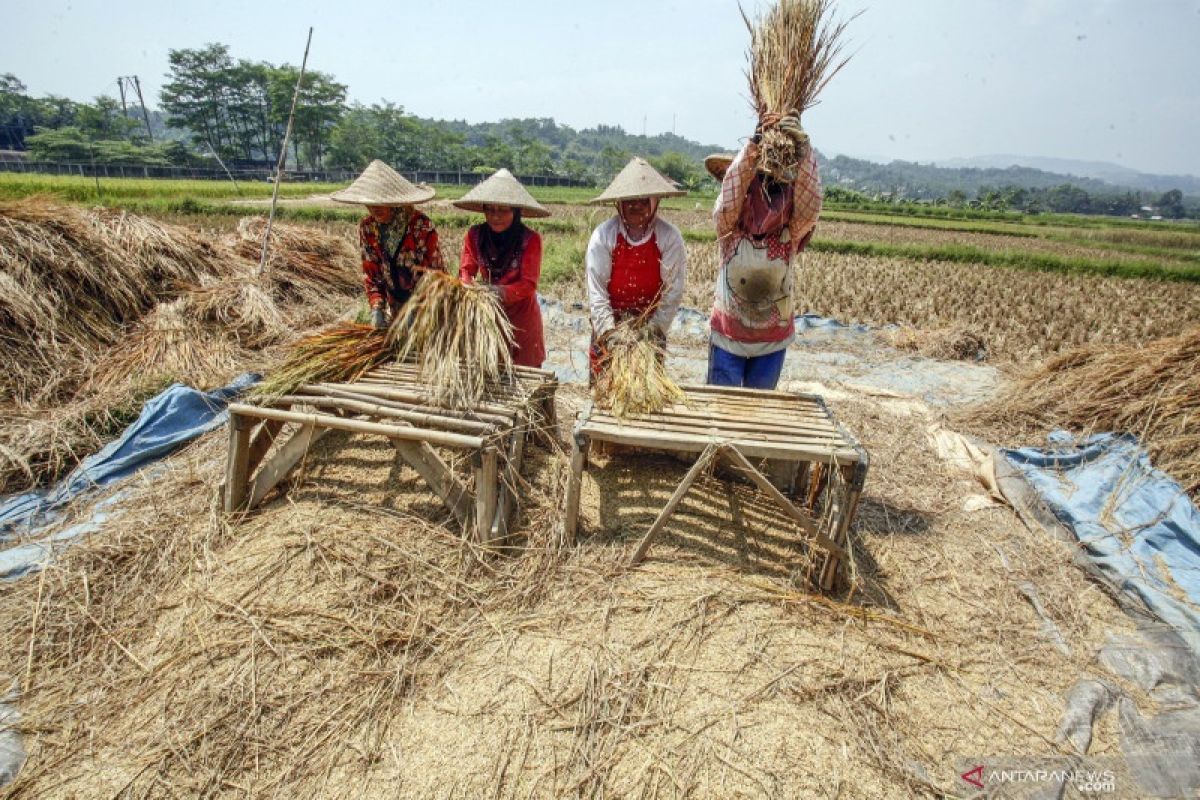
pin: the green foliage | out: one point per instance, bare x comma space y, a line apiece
239, 109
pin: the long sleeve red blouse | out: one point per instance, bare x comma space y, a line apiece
517, 292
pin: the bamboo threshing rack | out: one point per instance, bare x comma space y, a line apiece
392, 401
825, 467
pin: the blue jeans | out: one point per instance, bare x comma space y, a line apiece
752, 372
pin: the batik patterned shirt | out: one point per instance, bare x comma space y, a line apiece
394, 254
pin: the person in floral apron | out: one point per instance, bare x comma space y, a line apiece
636, 261
763, 220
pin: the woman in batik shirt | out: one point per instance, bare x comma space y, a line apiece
398, 242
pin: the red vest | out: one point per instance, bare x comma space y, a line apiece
636, 281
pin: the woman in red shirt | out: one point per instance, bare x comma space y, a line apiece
506, 256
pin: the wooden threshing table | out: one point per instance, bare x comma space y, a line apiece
392, 401
736, 425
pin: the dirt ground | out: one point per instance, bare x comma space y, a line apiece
342, 642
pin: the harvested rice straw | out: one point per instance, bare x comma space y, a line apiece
633, 378
1151, 391
795, 50
460, 336
338, 353
168, 344
243, 308
303, 260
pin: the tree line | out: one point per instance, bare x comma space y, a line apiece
215, 106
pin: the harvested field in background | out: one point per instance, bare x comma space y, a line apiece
1021, 316
995, 242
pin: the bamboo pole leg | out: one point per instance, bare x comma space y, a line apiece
237, 465
485, 495
507, 505
847, 508
669, 508
283, 462
574, 484
430, 466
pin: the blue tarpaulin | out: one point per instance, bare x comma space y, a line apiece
168, 421
1136, 525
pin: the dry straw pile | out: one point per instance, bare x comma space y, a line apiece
99, 309
1152, 391
71, 278
795, 50
633, 376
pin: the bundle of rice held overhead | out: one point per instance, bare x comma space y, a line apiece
633, 378
460, 337
337, 354
1151, 391
795, 50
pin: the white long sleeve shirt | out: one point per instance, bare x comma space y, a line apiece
673, 270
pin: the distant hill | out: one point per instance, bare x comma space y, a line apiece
1110, 173
910, 180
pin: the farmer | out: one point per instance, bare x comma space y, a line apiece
398, 241
636, 261
506, 257
762, 221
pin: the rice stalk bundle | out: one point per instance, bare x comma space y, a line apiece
167, 345
795, 50
339, 353
633, 378
242, 307
302, 262
460, 337
1151, 391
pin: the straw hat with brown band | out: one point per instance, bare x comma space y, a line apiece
638, 179
380, 185
502, 189
717, 163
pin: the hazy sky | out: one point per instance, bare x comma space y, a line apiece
1108, 80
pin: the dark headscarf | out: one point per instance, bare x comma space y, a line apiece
500, 251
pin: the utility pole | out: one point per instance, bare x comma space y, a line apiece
126, 83
145, 114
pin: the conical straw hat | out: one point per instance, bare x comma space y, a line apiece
717, 163
380, 185
501, 189
638, 179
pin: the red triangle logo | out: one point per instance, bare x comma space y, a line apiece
974, 777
